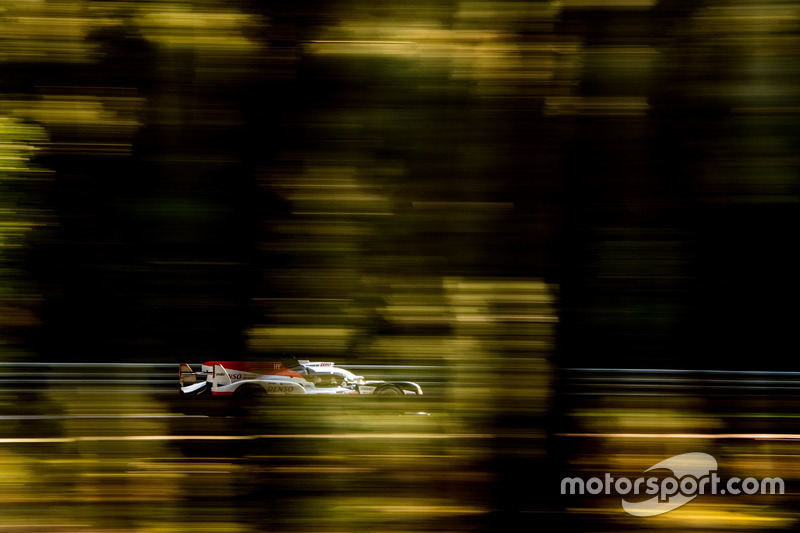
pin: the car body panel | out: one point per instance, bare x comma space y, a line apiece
275, 377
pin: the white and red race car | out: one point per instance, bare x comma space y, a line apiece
253, 379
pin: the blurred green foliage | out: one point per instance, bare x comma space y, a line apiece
496, 192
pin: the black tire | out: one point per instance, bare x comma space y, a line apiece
251, 392
248, 401
389, 390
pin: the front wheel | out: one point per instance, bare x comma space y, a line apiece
389, 390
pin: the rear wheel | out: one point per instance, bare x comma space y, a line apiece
389, 390
251, 392
249, 399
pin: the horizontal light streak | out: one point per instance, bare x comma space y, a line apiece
315, 436
746, 436
361, 42
682, 371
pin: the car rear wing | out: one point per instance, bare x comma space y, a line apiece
192, 382
187, 376
213, 375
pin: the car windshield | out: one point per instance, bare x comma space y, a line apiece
327, 380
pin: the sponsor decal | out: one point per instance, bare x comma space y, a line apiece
280, 388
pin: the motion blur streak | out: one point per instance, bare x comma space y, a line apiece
572, 223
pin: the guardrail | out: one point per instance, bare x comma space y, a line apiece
162, 378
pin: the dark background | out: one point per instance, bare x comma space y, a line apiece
669, 233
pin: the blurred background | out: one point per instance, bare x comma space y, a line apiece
574, 223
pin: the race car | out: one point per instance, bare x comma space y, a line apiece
253, 379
